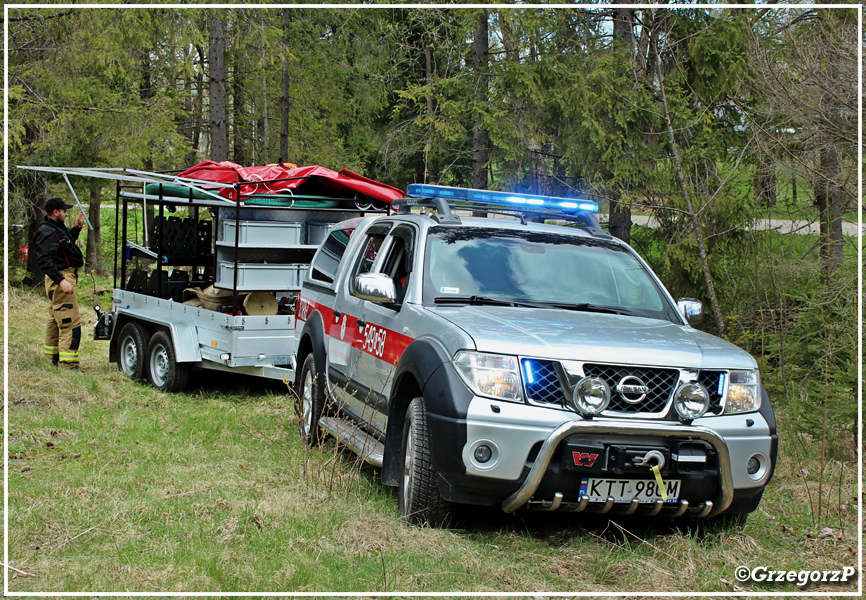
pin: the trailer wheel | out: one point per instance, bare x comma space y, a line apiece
420, 500
310, 403
166, 374
132, 349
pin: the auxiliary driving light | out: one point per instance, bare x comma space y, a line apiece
591, 396
691, 401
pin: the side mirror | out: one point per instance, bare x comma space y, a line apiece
692, 310
375, 287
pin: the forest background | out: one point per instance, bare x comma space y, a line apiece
708, 120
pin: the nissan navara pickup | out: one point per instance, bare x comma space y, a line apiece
514, 363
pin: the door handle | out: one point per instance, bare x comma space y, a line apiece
361, 324
337, 315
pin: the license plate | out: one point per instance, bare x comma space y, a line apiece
624, 490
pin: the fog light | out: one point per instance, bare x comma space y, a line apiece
484, 453
691, 401
753, 466
591, 396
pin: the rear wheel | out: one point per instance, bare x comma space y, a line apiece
166, 374
310, 403
420, 500
132, 349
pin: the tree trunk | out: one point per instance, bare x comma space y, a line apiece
619, 221
765, 183
192, 105
793, 189
39, 191
284, 90
708, 277
828, 200
480, 135
93, 257
217, 72
265, 140
431, 173
238, 110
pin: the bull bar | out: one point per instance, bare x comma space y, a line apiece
603, 427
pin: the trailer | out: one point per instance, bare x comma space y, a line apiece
207, 274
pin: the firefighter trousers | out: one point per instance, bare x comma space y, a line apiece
63, 328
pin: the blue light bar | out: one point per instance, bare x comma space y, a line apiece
530, 201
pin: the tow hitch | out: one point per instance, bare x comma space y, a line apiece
102, 329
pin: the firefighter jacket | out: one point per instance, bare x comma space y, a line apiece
56, 249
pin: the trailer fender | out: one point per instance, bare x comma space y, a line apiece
183, 334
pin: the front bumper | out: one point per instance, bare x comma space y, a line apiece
655, 430
528, 438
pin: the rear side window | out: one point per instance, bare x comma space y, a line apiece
327, 259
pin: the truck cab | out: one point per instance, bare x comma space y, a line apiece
515, 363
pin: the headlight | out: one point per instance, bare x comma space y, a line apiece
743, 395
691, 401
591, 396
491, 375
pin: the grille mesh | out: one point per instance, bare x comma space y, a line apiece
710, 380
541, 382
660, 382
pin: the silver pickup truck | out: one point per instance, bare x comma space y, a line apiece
514, 363
493, 362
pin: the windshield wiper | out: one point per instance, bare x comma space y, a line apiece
587, 307
485, 300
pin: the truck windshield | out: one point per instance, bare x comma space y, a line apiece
470, 265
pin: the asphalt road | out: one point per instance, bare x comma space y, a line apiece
780, 225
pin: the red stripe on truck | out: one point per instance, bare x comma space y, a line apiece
377, 341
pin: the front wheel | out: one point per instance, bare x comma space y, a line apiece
310, 403
166, 374
420, 500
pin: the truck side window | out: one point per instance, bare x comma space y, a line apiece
369, 253
398, 262
324, 266
370, 248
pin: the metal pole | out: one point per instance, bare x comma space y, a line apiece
74, 195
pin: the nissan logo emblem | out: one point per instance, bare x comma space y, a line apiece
632, 389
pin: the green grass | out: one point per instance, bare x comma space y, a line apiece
116, 487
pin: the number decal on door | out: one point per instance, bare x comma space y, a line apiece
374, 340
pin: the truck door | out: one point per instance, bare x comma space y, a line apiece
344, 334
382, 340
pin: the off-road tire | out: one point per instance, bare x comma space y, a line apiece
420, 500
163, 370
132, 351
310, 402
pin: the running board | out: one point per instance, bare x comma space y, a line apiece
368, 447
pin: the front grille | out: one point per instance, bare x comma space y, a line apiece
541, 382
543, 386
660, 382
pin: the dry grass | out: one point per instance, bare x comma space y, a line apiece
114, 487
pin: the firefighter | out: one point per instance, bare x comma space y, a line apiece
60, 259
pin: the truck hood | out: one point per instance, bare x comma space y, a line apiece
582, 336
